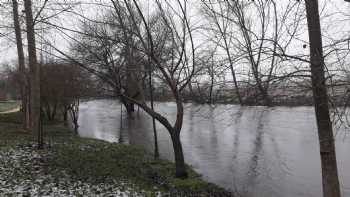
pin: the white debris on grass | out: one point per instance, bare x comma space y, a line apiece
23, 172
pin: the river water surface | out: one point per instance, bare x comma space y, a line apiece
255, 151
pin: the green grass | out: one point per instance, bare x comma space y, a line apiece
97, 161
13, 118
8, 105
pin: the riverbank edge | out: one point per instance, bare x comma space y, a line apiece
95, 161
301, 102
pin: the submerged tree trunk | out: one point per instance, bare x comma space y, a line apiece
191, 93
134, 89
266, 98
133, 78
34, 73
74, 114
21, 66
330, 179
174, 131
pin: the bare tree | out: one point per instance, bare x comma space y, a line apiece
172, 73
251, 33
24, 87
222, 26
330, 179
150, 85
175, 70
34, 74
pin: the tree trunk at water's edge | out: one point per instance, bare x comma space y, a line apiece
330, 181
179, 156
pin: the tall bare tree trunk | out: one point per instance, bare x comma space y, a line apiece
155, 135
21, 66
330, 179
181, 171
34, 74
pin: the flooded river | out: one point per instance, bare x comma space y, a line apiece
255, 151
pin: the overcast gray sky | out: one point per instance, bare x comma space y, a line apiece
335, 22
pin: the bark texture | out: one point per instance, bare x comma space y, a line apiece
179, 156
34, 71
330, 179
21, 66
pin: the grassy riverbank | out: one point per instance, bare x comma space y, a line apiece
74, 166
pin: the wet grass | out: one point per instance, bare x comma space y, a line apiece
12, 118
94, 162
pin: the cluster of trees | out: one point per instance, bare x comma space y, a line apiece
46, 88
62, 87
129, 49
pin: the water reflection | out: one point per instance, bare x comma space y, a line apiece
254, 162
257, 151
